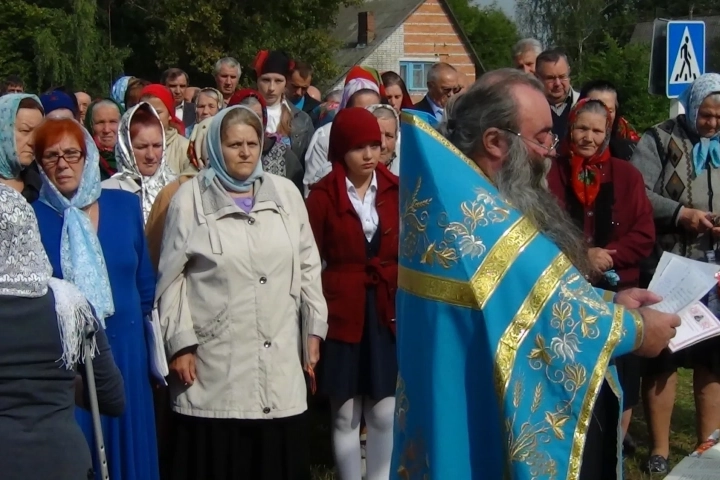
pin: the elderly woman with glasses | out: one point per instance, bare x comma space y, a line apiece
94, 239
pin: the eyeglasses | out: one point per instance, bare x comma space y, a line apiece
71, 156
555, 140
555, 78
451, 91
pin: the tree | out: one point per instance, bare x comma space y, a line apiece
57, 45
489, 31
198, 32
627, 68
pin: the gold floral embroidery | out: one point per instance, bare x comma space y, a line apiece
572, 323
459, 238
414, 460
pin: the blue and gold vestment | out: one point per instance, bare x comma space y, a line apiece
502, 344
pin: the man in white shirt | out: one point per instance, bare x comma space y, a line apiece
177, 81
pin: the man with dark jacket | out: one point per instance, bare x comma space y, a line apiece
442, 84
298, 82
177, 81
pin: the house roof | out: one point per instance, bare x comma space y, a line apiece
643, 31
388, 15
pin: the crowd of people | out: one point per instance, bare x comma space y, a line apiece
265, 230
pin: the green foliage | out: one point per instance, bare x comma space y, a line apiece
212, 29
489, 30
627, 67
49, 46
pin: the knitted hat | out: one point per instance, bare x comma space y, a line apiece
57, 100
272, 61
352, 128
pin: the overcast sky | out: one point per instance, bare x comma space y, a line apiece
507, 5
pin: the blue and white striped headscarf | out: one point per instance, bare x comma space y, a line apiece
81, 257
707, 148
10, 166
117, 92
217, 167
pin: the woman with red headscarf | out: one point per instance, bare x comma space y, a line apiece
277, 156
176, 150
354, 216
606, 198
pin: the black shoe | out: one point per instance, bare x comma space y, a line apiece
629, 445
657, 464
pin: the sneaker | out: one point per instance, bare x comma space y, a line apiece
657, 464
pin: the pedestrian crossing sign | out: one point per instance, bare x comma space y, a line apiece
685, 55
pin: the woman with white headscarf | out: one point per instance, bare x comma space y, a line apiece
140, 155
679, 160
94, 239
238, 265
42, 323
361, 89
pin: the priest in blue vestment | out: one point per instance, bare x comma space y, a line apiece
503, 344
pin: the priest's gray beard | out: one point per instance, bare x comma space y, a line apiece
522, 182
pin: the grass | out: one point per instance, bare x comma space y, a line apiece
682, 435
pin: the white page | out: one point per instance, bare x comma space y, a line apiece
707, 268
695, 469
680, 285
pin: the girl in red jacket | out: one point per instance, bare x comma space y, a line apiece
354, 216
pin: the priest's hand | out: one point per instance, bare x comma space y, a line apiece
660, 328
636, 298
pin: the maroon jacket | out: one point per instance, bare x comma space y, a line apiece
621, 218
341, 242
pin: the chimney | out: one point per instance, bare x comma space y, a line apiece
366, 28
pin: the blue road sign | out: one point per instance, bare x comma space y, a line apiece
685, 55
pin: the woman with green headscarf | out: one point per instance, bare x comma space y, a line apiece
20, 113
102, 121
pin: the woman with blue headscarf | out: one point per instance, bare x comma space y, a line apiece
20, 114
238, 265
79, 222
680, 162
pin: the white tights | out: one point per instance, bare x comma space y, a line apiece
379, 418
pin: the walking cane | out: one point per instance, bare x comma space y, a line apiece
94, 408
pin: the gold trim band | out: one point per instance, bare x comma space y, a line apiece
596, 381
524, 321
500, 258
431, 287
639, 328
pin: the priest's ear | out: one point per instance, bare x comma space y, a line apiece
494, 149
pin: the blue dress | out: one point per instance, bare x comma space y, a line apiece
130, 439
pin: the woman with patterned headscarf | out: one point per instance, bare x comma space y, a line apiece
20, 114
680, 162
94, 238
362, 88
42, 327
140, 152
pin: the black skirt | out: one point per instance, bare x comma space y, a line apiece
368, 368
229, 449
629, 369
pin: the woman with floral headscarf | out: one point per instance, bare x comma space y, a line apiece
176, 145
362, 89
94, 239
140, 152
242, 312
119, 88
680, 162
20, 114
605, 196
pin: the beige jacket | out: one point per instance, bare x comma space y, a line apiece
234, 285
176, 154
126, 184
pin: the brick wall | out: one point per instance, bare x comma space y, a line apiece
427, 35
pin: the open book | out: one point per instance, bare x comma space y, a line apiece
682, 283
